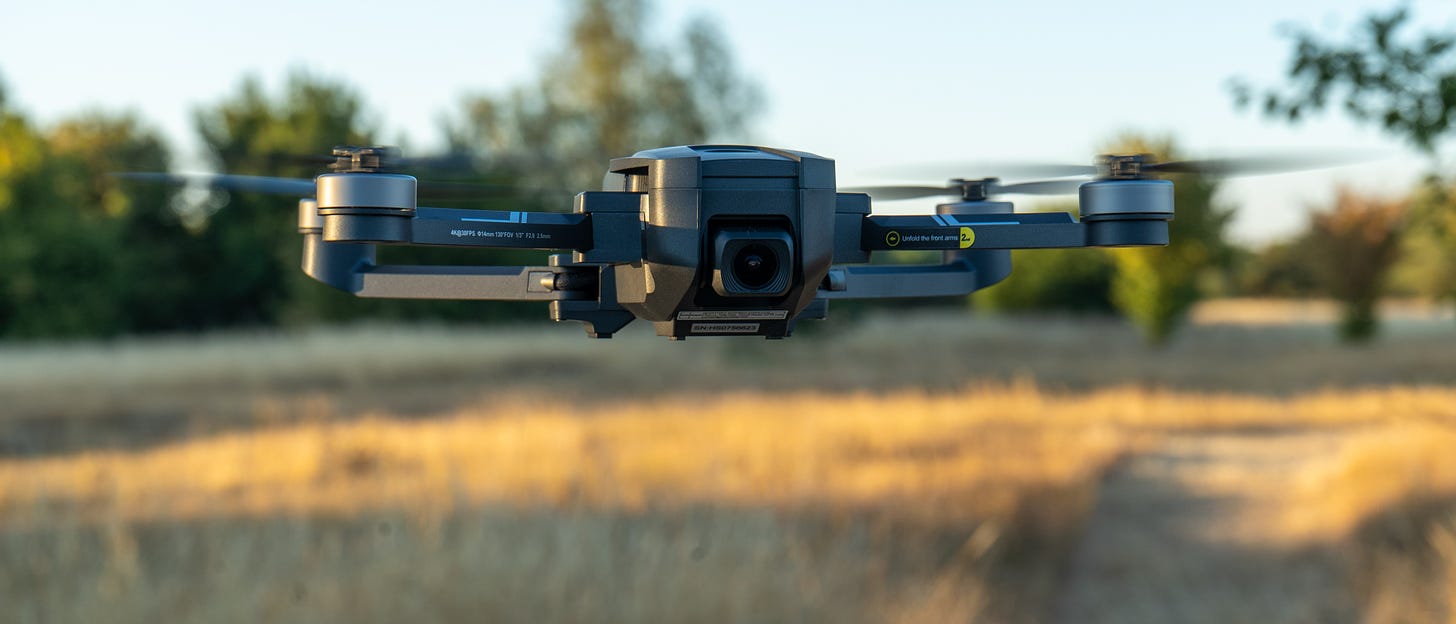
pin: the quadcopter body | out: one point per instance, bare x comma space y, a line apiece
708, 240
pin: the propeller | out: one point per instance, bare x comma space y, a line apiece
1252, 165
1108, 165
970, 190
241, 183
299, 187
345, 158
389, 160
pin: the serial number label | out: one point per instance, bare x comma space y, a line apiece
724, 328
732, 315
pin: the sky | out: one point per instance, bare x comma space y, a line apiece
871, 85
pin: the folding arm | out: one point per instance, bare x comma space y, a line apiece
952, 232
976, 237
494, 228
340, 252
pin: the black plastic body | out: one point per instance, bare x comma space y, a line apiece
660, 241
688, 195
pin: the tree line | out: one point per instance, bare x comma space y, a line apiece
1355, 250
83, 253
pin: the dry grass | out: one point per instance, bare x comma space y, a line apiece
910, 448
1392, 498
926, 471
736, 508
907, 507
1312, 312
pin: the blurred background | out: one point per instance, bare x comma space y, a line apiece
1253, 423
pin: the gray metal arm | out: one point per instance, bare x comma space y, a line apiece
351, 267
958, 277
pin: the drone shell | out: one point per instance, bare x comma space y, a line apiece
691, 193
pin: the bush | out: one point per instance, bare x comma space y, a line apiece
1063, 280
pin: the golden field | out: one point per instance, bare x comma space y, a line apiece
916, 468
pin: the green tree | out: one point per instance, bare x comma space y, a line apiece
1428, 252
612, 90
1063, 280
1155, 287
1280, 269
145, 263
247, 255
1407, 86
1404, 83
1352, 248
80, 255
28, 223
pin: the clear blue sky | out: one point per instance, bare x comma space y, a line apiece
870, 85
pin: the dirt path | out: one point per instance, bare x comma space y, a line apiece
1190, 532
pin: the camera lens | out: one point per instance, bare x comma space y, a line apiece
755, 265
752, 262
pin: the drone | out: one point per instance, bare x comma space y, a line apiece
713, 240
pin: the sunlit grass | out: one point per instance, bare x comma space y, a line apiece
734, 508
967, 454
929, 468
908, 506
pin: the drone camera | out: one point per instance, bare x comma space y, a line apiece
752, 262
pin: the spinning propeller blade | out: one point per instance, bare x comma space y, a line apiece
242, 183
891, 193
454, 161
1257, 165
299, 187
992, 188
1285, 162
988, 169
1041, 187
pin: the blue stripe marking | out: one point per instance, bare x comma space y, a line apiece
514, 218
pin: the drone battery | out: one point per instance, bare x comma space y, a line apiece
366, 207
1127, 213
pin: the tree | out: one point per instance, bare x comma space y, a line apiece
247, 255
79, 253
1062, 280
1404, 83
1428, 251
611, 91
144, 260
1281, 269
1154, 287
1408, 87
1352, 248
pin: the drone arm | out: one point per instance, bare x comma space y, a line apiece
957, 277
953, 232
351, 267
1115, 213
977, 236
500, 283
340, 244
495, 228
